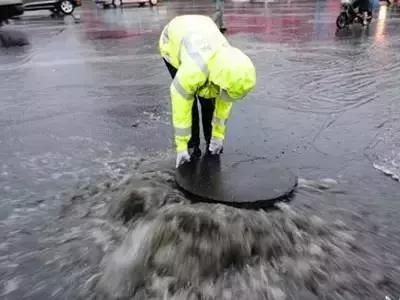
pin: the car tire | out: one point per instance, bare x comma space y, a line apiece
66, 7
153, 2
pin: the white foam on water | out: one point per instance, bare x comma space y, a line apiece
10, 286
391, 171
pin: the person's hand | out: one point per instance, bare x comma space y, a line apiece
216, 146
182, 157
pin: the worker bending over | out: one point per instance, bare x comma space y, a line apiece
206, 68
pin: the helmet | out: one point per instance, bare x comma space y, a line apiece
233, 72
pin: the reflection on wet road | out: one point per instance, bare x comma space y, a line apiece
85, 102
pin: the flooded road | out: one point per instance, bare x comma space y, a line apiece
85, 106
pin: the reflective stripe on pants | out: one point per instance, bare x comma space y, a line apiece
218, 121
179, 88
183, 131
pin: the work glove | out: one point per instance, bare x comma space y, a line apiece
216, 146
182, 157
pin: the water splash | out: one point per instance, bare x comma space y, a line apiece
143, 239
384, 152
391, 171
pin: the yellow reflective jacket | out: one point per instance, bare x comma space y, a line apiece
194, 45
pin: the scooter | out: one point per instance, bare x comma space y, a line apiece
350, 14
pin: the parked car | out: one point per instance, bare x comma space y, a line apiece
115, 3
10, 9
65, 7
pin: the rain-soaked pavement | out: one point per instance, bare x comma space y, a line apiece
87, 103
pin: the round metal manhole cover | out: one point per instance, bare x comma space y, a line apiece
249, 184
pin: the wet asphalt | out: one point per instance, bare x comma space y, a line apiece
90, 91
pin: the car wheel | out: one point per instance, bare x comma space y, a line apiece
153, 2
341, 21
66, 7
